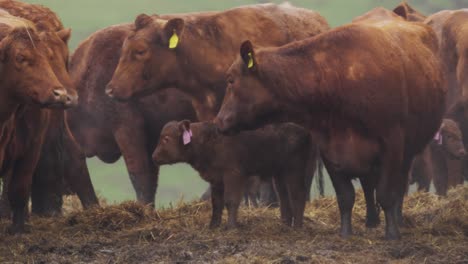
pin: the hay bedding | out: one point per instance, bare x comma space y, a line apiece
436, 232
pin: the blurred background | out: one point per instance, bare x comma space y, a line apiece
180, 181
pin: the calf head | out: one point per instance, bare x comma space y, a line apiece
148, 58
25, 69
450, 139
58, 53
174, 143
247, 99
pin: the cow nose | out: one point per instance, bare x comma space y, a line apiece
110, 90
60, 94
72, 100
462, 152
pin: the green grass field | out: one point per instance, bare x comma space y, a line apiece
87, 16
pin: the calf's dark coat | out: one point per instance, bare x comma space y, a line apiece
227, 162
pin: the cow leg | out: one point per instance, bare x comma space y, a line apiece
217, 202
372, 215
345, 195
297, 193
285, 205
20, 187
143, 173
392, 183
77, 175
5, 210
252, 190
234, 187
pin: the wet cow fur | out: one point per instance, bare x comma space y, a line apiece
23, 122
227, 162
108, 129
442, 161
59, 152
208, 43
372, 109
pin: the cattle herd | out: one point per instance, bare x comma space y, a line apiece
255, 92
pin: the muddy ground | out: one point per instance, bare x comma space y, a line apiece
436, 232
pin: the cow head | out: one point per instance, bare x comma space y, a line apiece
450, 139
408, 13
148, 57
174, 143
25, 69
247, 99
58, 53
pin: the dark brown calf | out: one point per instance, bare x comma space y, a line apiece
371, 109
227, 162
442, 161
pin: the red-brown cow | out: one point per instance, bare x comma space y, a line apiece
192, 52
373, 107
109, 129
59, 152
28, 82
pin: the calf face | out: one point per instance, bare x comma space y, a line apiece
26, 69
154, 40
451, 139
172, 148
246, 96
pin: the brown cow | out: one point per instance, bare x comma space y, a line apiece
442, 161
192, 52
375, 106
59, 152
227, 163
28, 83
109, 129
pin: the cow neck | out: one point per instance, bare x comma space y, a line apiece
8, 108
203, 67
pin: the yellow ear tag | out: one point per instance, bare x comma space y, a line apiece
173, 41
251, 62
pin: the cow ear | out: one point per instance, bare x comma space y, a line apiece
402, 10
142, 21
248, 55
173, 31
3, 49
64, 34
184, 125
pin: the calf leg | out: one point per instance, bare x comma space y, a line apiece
297, 193
285, 205
143, 173
217, 202
5, 210
234, 187
268, 195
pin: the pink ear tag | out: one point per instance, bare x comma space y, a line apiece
438, 138
187, 137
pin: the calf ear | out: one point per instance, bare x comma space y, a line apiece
142, 21
64, 34
402, 10
173, 31
184, 125
248, 55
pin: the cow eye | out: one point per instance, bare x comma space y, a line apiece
230, 80
140, 52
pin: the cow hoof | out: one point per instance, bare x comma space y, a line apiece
231, 226
214, 225
15, 229
392, 236
372, 223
